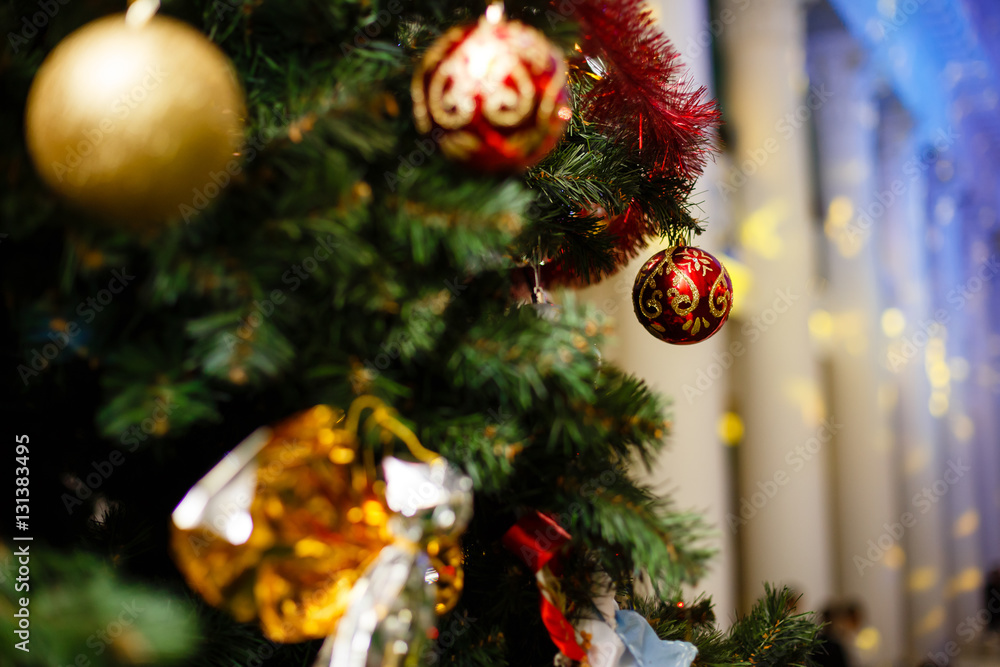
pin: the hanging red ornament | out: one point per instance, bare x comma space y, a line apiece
492, 94
682, 295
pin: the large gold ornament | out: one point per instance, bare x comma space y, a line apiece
131, 120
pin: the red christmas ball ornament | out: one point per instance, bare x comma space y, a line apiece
682, 295
492, 94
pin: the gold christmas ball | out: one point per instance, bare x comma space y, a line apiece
131, 122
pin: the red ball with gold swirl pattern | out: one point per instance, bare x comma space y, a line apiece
682, 295
492, 94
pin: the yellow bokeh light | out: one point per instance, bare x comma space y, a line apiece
966, 524
969, 579
759, 231
923, 578
895, 557
893, 322
963, 428
840, 212
931, 621
868, 639
939, 375
730, 428
821, 325
807, 395
837, 225
938, 404
934, 351
742, 277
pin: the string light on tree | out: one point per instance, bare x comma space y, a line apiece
682, 295
492, 94
131, 114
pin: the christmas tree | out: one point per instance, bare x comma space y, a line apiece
347, 272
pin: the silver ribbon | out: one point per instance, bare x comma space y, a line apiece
392, 604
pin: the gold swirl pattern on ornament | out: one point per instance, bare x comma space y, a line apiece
718, 304
681, 304
694, 326
652, 308
434, 55
454, 90
505, 106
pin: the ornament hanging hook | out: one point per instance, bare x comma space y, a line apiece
139, 12
537, 293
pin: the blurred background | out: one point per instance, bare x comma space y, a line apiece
841, 430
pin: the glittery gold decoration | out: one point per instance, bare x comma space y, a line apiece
290, 529
492, 94
283, 527
131, 121
697, 290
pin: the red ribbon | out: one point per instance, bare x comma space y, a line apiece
536, 538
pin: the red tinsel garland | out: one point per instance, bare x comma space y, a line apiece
630, 231
642, 97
